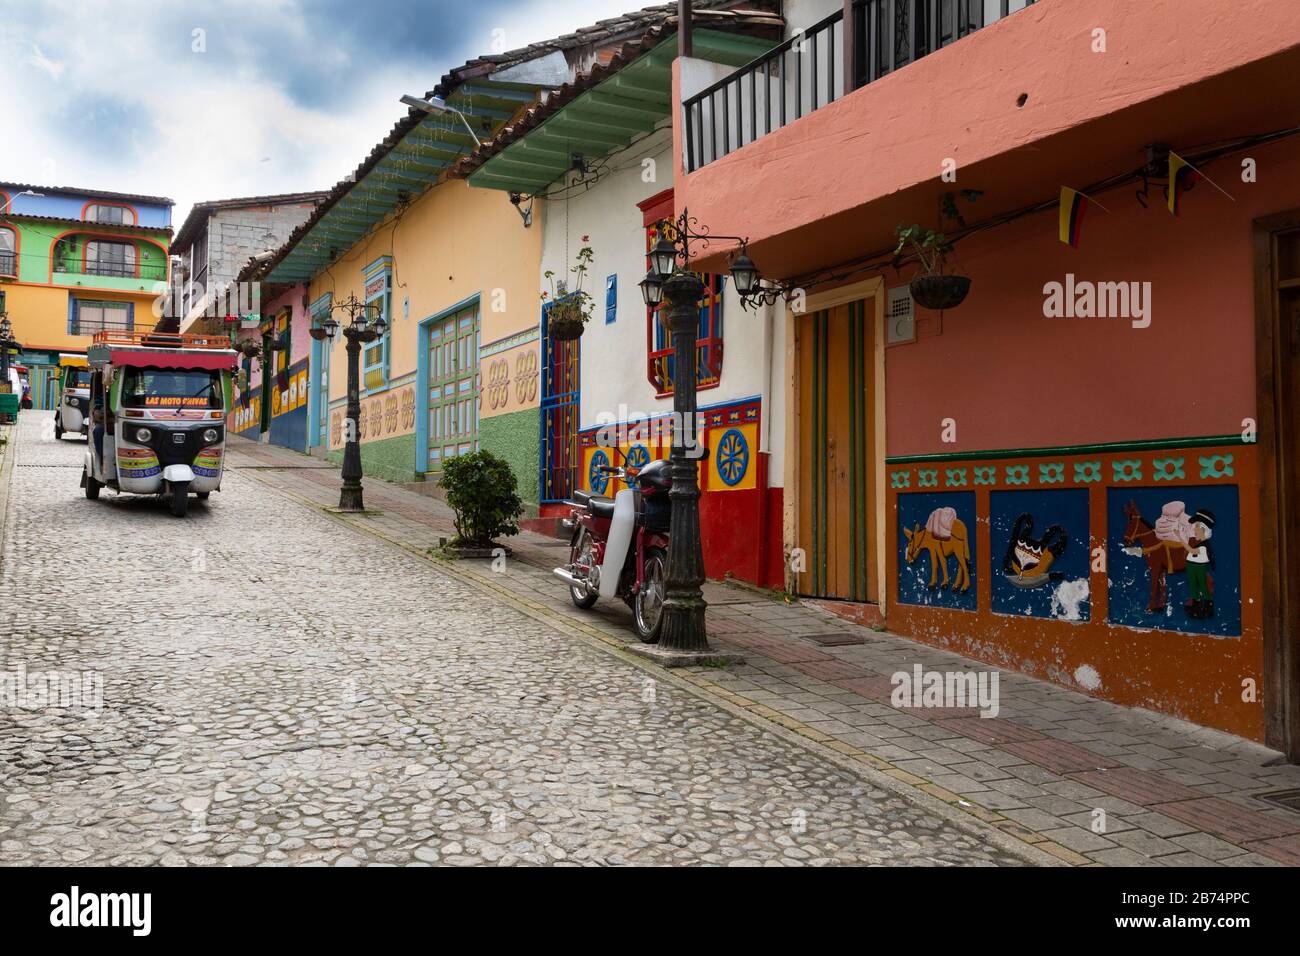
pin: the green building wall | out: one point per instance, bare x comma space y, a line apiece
392, 459
515, 437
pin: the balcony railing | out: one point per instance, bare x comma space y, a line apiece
115, 269
818, 65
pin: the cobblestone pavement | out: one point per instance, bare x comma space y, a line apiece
279, 688
1084, 780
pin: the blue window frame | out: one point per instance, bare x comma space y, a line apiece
611, 299
375, 355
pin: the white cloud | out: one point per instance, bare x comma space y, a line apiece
288, 96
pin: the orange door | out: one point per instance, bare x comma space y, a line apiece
837, 522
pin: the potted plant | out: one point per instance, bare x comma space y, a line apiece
482, 493
570, 306
932, 287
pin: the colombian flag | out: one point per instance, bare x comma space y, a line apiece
1181, 175
1071, 216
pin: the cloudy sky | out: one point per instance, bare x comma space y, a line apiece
208, 99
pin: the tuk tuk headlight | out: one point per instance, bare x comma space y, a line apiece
210, 435
142, 435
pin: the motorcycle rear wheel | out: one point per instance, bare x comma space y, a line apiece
580, 552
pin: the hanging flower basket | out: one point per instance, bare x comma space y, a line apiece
566, 320
570, 308
940, 292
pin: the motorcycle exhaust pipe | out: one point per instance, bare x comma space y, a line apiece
569, 578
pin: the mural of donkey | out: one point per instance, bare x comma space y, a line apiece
944, 536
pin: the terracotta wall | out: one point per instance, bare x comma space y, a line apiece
1068, 420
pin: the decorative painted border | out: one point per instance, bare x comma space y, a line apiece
742, 411
1072, 451
509, 342
1140, 468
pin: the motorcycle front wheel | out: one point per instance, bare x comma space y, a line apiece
648, 605
580, 552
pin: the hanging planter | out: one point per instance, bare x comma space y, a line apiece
939, 292
566, 319
570, 309
932, 288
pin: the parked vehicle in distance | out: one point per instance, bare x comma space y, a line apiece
72, 414
158, 408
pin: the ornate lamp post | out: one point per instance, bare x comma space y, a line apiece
362, 326
683, 613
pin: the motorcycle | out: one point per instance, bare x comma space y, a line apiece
619, 545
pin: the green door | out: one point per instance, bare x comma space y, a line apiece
453, 387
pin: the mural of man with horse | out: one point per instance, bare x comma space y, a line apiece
1166, 547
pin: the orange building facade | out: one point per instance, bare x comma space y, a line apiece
1081, 470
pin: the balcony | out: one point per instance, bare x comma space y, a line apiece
1014, 106
811, 69
114, 269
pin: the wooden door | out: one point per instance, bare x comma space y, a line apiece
837, 522
1277, 333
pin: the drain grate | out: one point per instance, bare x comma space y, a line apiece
1282, 798
835, 638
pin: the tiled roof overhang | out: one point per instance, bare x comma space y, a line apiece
87, 193
89, 226
420, 148
607, 108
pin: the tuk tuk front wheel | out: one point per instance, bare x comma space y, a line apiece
58, 428
180, 498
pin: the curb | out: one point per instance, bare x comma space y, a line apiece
8, 452
972, 819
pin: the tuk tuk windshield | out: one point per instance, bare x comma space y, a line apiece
76, 378
171, 388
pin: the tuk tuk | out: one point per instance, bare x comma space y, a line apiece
158, 406
72, 414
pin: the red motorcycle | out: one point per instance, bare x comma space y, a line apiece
620, 545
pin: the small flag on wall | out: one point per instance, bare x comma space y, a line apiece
1182, 174
1073, 203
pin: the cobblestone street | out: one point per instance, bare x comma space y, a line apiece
279, 688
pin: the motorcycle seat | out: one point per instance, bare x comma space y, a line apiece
598, 505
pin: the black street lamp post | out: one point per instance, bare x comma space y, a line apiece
362, 327
6, 334
683, 613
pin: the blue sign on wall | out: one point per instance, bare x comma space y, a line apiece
1039, 554
936, 543
1162, 573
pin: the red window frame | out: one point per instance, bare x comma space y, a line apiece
659, 340
135, 216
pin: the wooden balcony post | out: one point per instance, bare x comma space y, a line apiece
684, 27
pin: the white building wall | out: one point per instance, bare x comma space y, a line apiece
614, 385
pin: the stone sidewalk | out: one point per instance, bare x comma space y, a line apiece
1088, 782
